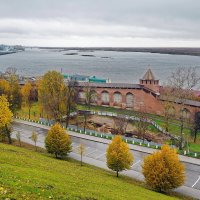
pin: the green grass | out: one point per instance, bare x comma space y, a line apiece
25, 174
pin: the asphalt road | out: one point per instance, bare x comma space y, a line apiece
95, 154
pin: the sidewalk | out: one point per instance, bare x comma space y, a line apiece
185, 159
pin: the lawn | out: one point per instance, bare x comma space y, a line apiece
25, 174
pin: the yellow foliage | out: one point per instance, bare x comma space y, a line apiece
58, 141
4, 87
163, 170
118, 155
5, 113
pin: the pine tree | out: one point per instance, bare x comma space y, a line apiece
118, 155
163, 170
58, 141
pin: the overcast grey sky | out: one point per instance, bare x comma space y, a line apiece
125, 23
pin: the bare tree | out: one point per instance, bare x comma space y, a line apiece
34, 138
120, 124
72, 99
142, 123
183, 81
81, 151
18, 136
195, 125
90, 95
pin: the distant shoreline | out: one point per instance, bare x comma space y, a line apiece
5, 53
170, 51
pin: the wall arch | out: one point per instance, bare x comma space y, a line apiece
129, 100
105, 97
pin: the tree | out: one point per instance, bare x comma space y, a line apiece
52, 95
81, 151
118, 155
10, 88
34, 138
195, 125
5, 117
58, 141
168, 105
14, 96
26, 96
163, 170
90, 95
72, 99
120, 124
141, 123
18, 136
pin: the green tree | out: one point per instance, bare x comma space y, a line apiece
163, 170
5, 117
118, 155
58, 141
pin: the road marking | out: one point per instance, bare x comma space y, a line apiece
196, 182
136, 163
91, 152
99, 156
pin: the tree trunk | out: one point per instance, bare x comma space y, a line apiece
117, 173
85, 121
29, 113
81, 160
8, 135
181, 140
195, 136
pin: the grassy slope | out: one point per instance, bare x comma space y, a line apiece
25, 174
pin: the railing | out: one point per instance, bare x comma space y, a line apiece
134, 141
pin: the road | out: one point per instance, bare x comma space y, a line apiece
95, 154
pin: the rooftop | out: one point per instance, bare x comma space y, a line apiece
148, 75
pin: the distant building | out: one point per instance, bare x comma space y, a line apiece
145, 96
85, 78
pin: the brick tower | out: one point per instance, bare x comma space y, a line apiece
150, 82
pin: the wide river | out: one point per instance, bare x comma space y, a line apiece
118, 66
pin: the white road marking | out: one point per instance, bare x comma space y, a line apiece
91, 152
99, 156
136, 163
196, 182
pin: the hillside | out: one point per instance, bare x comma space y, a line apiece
25, 174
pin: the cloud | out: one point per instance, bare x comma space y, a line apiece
111, 21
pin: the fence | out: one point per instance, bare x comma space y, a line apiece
134, 141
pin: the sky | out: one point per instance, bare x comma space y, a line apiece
100, 23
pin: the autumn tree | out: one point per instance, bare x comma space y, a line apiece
10, 88
81, 151
5, 118
118, 155
58, 141
162, 170
52, 95
34, 138
26, 96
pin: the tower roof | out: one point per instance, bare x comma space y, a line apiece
148, 75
